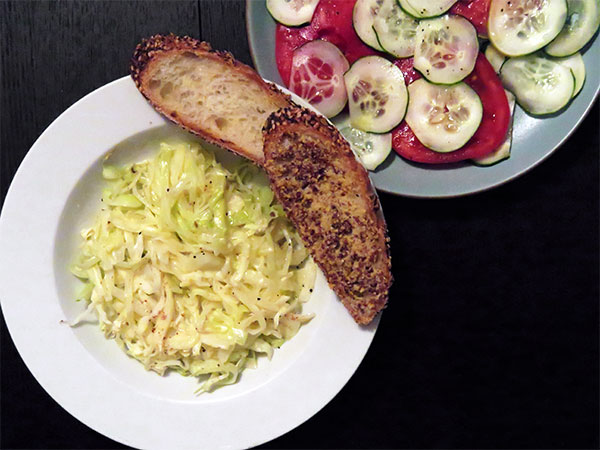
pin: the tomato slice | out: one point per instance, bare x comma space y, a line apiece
406, 66
476, 11
489, 135
332, 22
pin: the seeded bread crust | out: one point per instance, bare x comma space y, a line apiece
151, 50
329, 197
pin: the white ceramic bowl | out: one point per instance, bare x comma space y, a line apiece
56, 192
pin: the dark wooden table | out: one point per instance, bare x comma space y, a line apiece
491, 335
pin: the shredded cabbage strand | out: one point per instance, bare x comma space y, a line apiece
193, 267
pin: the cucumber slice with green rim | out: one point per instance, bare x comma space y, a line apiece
502, 152
446, 49
292, 12
371, 149
317, 75
575, 63
395, 29
541, 85
494, 56
363, 15
408, 9
426, 8
583, 20
443, 118
520, 27
377, 94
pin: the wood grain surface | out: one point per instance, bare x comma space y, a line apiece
491, 336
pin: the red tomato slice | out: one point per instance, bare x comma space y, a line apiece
476, 11
406, 66
332, 22
489, 135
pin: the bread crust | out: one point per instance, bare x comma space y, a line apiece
328, 195
150, 50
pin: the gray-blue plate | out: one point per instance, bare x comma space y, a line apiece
534, 139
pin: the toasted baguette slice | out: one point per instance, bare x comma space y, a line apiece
206, 92
328, 196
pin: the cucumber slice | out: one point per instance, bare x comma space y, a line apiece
395, 29
426, 8
407, 8
443, 118
371, 149
292, 12
377, 95
446, 49
502, 152
494, 56
541, 85
317, 75
575, 63
363, 15
520, 27
583, 20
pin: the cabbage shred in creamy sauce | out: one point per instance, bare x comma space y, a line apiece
193, 267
